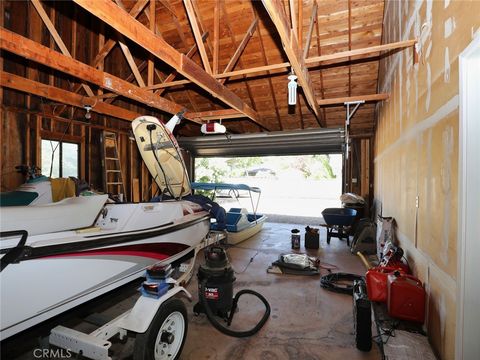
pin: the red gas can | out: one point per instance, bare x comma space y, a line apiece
377, 283
406, 297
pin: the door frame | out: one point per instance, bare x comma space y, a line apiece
468, 245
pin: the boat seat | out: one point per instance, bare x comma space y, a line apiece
237, 219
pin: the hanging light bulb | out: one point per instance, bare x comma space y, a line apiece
88, 115
292, 89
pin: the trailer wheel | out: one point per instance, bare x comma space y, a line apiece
166, 334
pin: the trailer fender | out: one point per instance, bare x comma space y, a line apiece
139, 318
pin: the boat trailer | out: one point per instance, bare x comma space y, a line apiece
156, 318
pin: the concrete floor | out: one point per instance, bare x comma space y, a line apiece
306, 322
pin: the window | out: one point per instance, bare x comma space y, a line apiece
65, 158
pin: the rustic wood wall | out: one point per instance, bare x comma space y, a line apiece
25, 118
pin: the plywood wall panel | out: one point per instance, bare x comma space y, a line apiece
416, 146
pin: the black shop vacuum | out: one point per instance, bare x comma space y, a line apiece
215, 292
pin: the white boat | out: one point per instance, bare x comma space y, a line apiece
239, 223
56, 256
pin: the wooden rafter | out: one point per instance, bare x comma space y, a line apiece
269, 80
215, 115
131, 61
110, 44
248, 35
313, 19
31, 50
157, 31
197, 34
56, 36
138, 33
293, 17
174, 73
363, 51
200, 24
167, 4
59, 95
366, 98
240, 63
349, 47
310, 62
319, 52
300, 24
151, 62
135, 11
216, 35
290, 45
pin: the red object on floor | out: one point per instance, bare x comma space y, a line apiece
406, 297
377, 283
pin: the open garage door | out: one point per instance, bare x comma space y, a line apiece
315, 141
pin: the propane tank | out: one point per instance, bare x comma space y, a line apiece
215, 282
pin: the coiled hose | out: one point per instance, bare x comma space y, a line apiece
220, 327
334, 282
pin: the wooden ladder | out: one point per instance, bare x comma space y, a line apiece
113, 182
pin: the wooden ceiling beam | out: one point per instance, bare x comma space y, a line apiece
319, 52
313, 19
269, 79
216, 35
248, 35
293, 52
135, 11
152, 24
130, 61
197, 34
110, 44
310, 62
300, 24
363, 51
341, 100
19, 83
56, 36
32, 50
174, 73
215, 115
138, 33
293, 17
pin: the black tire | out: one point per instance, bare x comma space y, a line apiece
328, 238
145, 344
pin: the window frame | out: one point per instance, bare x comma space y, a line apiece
60, 152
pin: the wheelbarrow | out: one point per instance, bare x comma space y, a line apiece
338, 222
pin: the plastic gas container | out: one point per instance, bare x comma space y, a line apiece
406, 297
377, 283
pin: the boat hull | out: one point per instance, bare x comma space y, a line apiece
63, 270
239, 236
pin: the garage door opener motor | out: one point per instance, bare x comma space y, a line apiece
215, 291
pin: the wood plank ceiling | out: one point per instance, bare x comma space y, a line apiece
219, 59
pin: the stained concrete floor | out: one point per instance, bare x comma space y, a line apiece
306, 322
